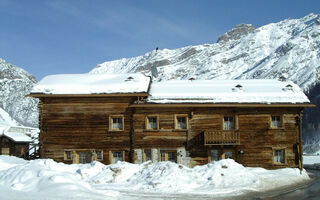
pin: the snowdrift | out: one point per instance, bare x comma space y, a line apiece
20, 179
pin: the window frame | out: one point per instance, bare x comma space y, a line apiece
235, 122
86, 153
111, 117
145, 155
111, 157
274, 149
166, 156
176, 121
147, 122
96, 151
91, 154
66, 155
281, 121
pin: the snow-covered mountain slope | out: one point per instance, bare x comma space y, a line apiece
289, 48
6, 119
15, 83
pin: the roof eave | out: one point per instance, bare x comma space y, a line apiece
41, 95
224, 105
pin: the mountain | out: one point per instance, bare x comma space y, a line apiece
6, 119
15, 108
288, 49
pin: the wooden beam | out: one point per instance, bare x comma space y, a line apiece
41, 95
223, 105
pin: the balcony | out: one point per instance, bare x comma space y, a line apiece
222, 137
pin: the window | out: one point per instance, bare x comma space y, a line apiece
117, 156
166, 155
147, 155
83, 157
152, 123
275, 121
99, 155
279, 156
181, 122
228, 123
228, 155
116, 123
68, 155
162, 155
172, 156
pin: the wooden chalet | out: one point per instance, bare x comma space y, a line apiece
126, 117
14, 141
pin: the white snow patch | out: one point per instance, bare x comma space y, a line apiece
226, 91
6, 120
311, 159
18, 137
97, 181
92, 84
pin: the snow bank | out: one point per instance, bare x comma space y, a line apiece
222, 177
45, 177
92, 84
226, 91
97, 181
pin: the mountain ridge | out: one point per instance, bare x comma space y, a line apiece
15, 84
254, 53
287, 49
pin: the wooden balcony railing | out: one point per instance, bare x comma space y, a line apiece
222, 137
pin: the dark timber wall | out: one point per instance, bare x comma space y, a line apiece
15, 148
83, 123
257, 138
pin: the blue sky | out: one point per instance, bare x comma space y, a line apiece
72, 36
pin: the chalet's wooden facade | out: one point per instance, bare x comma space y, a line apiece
79, 128
14, 141
13, 148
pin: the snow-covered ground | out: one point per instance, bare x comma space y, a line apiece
47, 179
310, 159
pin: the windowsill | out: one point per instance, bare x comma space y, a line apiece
165, 130
151, 130
115, 130
180, 130
276, 128
280, 164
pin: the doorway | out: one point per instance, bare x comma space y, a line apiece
219, 154
228, 154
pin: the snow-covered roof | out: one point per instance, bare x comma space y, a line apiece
18, 137
264, 91
14, 135
92, 84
